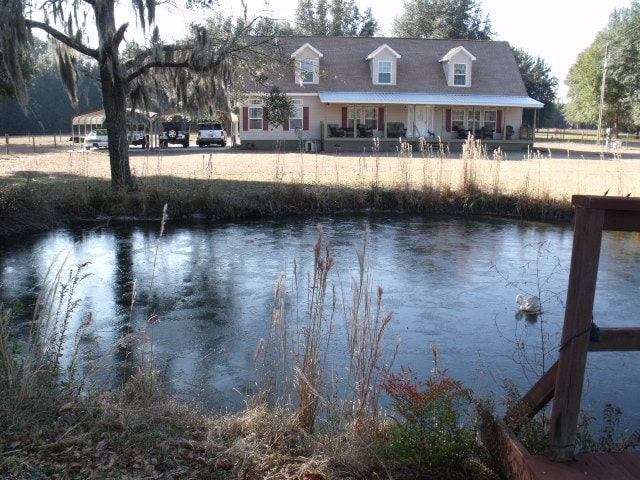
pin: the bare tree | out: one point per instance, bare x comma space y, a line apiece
198, 68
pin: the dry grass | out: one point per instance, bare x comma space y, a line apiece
553, 169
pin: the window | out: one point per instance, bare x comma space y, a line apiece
307, 70
255, 115
371, 117
295, 119
384, 71
474, 120
353, 116
457, 119
490, 120
460, 74
362, 115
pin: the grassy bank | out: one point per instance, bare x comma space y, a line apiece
53, 186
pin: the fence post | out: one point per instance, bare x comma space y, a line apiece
33, 142
6, 140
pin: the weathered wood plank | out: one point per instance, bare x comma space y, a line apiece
535, 399
594, 466
622, 221
575, 334
598, 202
506, 449
617, 340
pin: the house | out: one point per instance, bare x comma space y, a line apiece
346, 91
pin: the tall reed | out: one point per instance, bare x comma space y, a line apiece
294, 358
41, 360
147, 367
365, 333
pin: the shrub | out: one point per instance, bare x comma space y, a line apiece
430, 434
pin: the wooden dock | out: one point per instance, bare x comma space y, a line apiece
600, 466
563, 382
518, 464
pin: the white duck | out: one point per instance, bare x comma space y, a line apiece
529, 305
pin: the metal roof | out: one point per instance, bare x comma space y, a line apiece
391, 98
97, 117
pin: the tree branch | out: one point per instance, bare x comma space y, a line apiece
157, 64
61, 37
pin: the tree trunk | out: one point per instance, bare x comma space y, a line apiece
114, 93
114, 103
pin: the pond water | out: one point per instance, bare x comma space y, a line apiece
451, 282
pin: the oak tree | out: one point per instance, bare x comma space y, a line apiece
198, 69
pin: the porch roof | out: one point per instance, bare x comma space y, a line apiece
395, 98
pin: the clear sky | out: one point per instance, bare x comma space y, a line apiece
554, 30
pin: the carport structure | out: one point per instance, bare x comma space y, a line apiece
137, 120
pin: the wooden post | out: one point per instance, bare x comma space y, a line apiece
33, 142
6, 141
589, 223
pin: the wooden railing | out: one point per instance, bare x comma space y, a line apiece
563, 382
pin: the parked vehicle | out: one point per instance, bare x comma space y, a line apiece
137, 137
97, 138
211, 133
174, 133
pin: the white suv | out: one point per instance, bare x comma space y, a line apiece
211, 133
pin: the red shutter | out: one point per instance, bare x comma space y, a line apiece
344, 117
265, 118
245, 118
447, 125
305, 118
285, 125
499, 122
381, 119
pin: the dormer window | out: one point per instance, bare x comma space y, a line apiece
307, 65
384, 71
457, 64
383, 63
460, 74
308, 71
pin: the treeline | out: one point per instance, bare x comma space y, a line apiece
49, 109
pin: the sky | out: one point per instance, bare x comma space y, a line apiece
554, 30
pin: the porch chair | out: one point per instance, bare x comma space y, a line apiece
335, 131
461, 133
486, 133
364, 131
396, 130
509, 132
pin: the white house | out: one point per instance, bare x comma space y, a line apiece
348, 90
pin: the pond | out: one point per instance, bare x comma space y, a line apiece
450, 282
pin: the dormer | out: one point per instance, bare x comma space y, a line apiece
457, 67
383, 63
307, 64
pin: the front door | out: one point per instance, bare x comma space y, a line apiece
420, 121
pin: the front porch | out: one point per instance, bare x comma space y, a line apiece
397, 145
345, 140
384, 145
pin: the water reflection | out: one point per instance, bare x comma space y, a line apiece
451, 281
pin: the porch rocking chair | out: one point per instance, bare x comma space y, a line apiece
364, 131
335, 131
